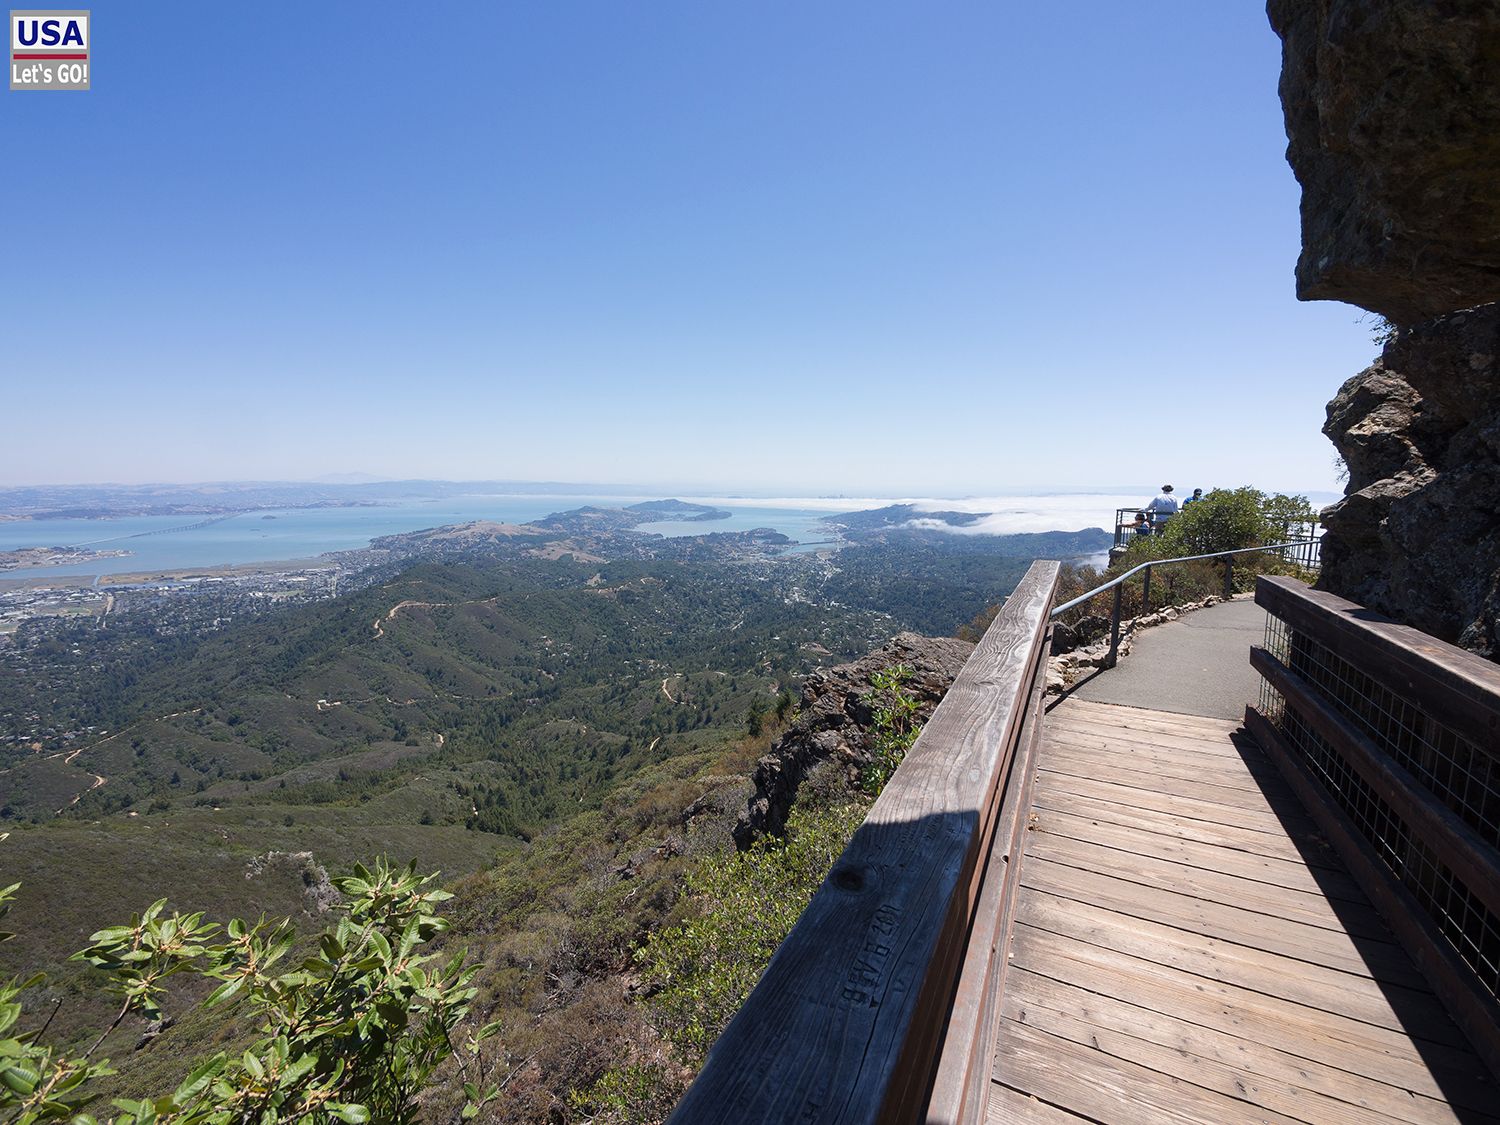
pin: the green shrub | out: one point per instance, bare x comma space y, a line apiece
894, 726
351, 1034
1224, 520
703, 968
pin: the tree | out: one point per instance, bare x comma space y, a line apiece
1226, 519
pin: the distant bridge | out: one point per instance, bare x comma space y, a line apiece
186, 526
1094, 912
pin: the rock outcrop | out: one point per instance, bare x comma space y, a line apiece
834, 723
1393, 120
1417, 536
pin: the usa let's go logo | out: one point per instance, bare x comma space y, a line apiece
49, 50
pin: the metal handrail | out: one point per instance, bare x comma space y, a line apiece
1115, 581
1116, 584
1126, 530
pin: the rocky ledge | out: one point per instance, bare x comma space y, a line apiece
1417, 535
833, 724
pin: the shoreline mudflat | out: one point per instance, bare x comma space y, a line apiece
169, 574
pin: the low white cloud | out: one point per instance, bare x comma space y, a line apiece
798, 503
1001, 515
1013, 515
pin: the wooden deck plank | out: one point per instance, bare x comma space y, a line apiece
1267, 1060
1290, 873
1314, 986
1334, 948
1213, 886
1187, 745
1085, 712
1277, 1092
1325, 1037
1313, 851
1242, 803
1109, 759
1090, 1082
1011, 1107
1174, 804
1188, 949
1251, 801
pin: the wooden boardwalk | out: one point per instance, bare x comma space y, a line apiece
1186, 948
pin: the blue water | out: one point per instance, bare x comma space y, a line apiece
303, 533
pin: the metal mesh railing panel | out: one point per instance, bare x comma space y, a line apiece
1458, 773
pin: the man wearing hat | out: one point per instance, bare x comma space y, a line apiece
1162, 508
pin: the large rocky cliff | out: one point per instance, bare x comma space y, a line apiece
1393, 122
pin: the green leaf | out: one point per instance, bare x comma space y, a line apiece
253, 1065
351, 1112
224, 991
199, 1078
20, 1077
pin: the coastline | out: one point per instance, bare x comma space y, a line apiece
166, 574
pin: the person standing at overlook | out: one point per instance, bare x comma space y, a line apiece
1194, 498
1162, 508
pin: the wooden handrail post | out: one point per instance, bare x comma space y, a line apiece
1146, 591
1228, 576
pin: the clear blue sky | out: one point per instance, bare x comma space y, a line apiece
868, 247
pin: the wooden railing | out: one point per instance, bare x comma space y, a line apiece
879, 1005
1392, 740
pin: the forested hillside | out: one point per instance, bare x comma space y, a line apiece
557, 737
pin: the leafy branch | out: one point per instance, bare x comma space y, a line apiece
351, 1034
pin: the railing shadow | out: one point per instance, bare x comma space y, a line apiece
1457, 1071
1068, 691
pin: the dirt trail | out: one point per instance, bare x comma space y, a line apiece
399, 606
390, 614
99, 780
69, 756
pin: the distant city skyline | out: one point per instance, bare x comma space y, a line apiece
873, 249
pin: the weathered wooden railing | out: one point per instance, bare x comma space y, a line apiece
879, 1005
1392, 740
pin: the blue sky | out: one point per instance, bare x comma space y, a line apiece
877, 248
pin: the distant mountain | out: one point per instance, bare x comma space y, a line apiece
678, 510
94, 501
898, 515
349, 478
